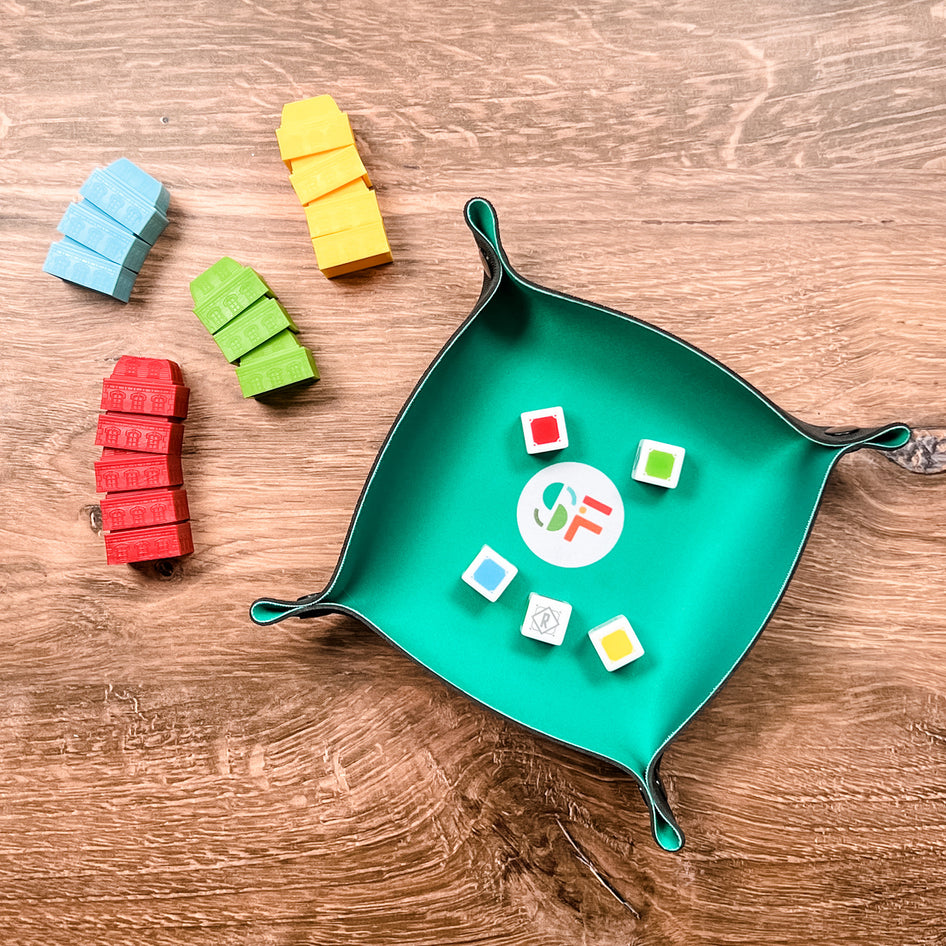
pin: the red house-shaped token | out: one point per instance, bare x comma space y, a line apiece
143, 507
138, 432
120, 470
133, 368
148, 545
158, 398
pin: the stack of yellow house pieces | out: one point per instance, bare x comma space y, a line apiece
317, 145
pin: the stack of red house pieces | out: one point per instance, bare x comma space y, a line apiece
144, 513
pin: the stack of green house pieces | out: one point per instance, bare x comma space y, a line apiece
251, 328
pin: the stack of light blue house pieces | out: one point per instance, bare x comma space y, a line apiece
108, 233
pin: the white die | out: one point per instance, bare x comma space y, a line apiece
616, 642
489, 573
658, 463
544, 430
546, 619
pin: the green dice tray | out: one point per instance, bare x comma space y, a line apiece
698, 570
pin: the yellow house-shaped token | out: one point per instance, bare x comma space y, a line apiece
332, 214
350, 250
330, 172
309, 110
300, 140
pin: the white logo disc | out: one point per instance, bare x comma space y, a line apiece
570, 514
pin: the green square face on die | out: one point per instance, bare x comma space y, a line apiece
659, 464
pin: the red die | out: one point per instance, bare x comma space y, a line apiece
137, 432
148, 369
143, 507
145, 397
544, 430
120, 470
147, 545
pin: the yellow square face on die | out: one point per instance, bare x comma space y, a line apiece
617, 645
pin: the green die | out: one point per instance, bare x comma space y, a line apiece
658, 463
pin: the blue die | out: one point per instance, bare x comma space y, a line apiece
489, 573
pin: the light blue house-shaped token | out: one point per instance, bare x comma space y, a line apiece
113, 197
142, 183
77, 263
86, 224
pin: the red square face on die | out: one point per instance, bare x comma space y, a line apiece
544, 429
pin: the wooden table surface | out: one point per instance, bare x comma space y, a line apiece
766, 180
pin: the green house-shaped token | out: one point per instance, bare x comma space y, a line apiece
261, 321
212, 280
223, 291
283, 341
283, 369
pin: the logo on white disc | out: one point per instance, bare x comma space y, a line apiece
570, 514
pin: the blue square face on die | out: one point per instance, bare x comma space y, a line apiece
488, 574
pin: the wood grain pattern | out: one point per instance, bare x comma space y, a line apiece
765, 180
